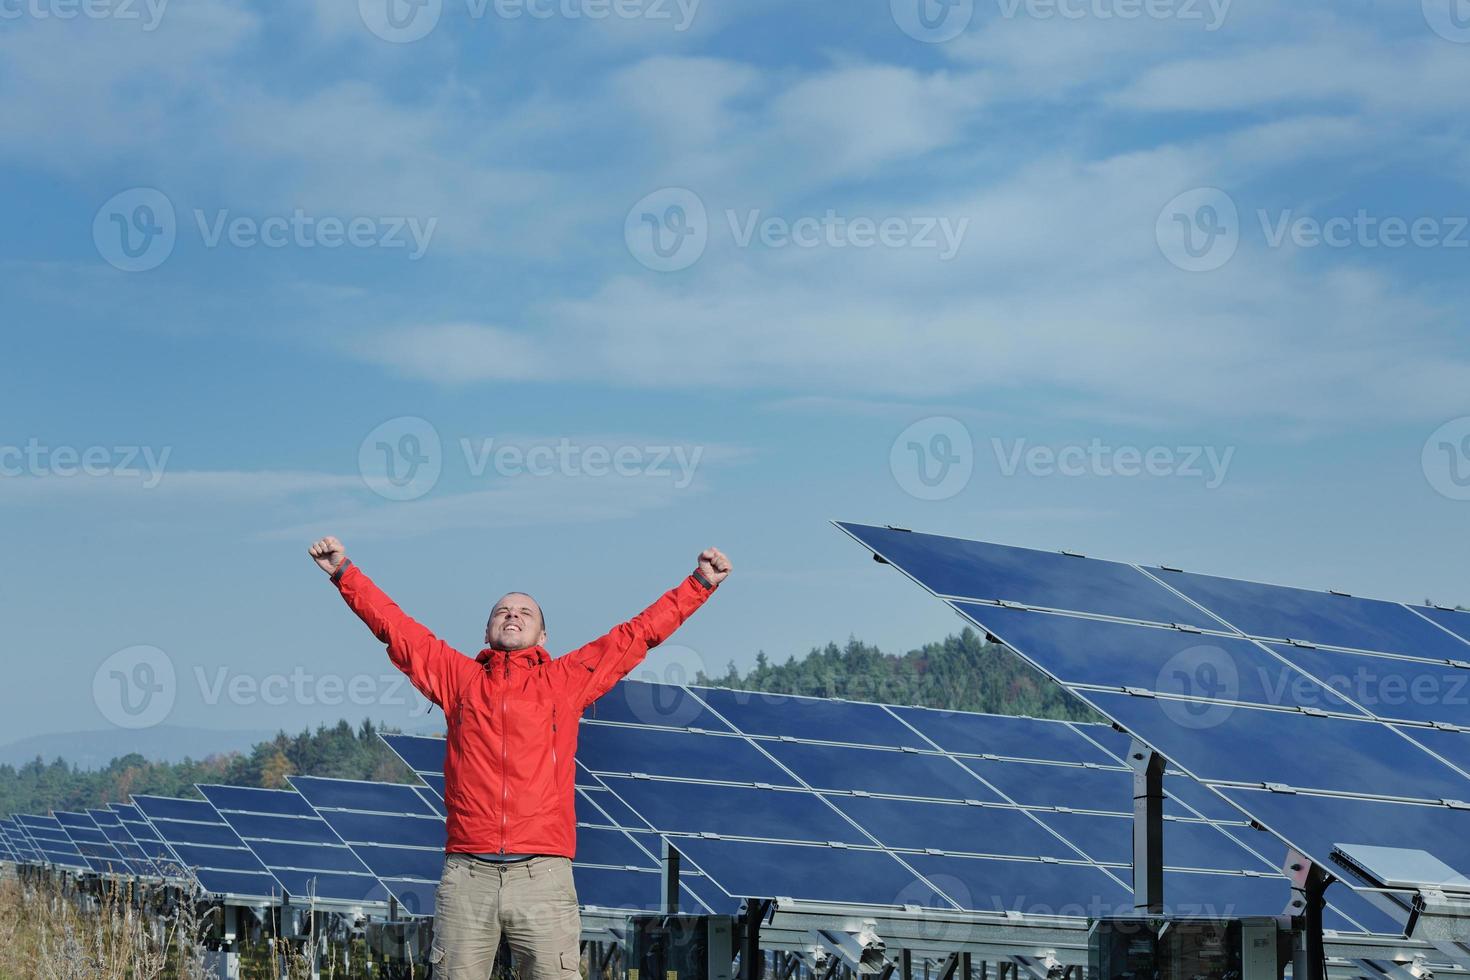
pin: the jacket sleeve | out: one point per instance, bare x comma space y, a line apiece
433, 666
589, 672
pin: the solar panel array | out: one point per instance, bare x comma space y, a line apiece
296, 845
762, 795
200, 841
1326, 717
835, 801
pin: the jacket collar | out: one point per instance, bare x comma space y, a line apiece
529, 657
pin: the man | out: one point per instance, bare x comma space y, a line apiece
509, 766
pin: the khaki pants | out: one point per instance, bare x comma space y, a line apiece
533, 903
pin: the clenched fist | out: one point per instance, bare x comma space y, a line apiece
713, 565
329, 554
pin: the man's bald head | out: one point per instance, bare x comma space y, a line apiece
515, 623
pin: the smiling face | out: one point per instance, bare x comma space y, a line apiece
515, 623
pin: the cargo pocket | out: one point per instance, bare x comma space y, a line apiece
571, 965
436, 957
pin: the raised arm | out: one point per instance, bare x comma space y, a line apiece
433, 666
589, 672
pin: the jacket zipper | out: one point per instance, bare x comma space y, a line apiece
553, 739
504, 736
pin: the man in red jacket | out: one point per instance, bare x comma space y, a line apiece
509, 766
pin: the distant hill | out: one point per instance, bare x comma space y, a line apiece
165, 743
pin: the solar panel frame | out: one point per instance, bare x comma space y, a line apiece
408, 869
148, 840
52, 841
1440, 776
229, 870
612, 799
601, 880
95, 846
316, 865
111, 825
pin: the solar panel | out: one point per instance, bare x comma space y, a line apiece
1044, 807
99, 851
21, 842
1235, 683
112, 827
614, 869
296, 845
391, 829
53, 842
199, 841
147, 839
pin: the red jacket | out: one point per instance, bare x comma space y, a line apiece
509, 768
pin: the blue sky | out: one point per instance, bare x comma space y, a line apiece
1034, 242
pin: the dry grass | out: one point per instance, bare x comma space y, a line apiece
47, 933
51, 932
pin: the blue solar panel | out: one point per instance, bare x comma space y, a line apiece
816, 873
111, 825
1390, 687
147, 838
388, 828
660, 705
94, 845
421, 752
1457, 621
664, 752
912, 825
601, 807
889, 771
1187, 844
1170, 661
352, 794
1045, 784
1001, 735
963, 569
597, 845
200, 842
391, 863
52, 840
191, 832
757, 713
746, 836
737, 811
1453, 746
1244, 745
173, 808
391, 830
296, 845
1283, 613
1292, 750
1028, 887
